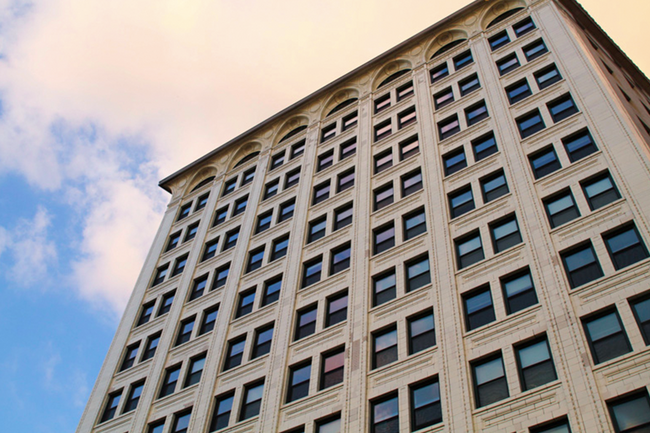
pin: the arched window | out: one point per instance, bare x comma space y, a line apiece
448, 47
503, 16
293, 132
342, 105
247, 158
393, 77
204, 182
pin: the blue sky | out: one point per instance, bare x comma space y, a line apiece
101, 99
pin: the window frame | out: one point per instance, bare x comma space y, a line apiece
476, 385
572, 251
547, 168
592, 347
379, 247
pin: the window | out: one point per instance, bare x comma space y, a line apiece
271, 189
350, 121
321, 192
340, 259
191, 231
332, 368
185, 331
306, 322
561, 108
463, 59
240, 205
173, 241
443, 98
220, 277
606, 336
150, 347
286, 210
535, 50
641, 309
316, 229
383, 161
169, 382
382, 103
383, 238
252, 400
425, 404
448, 127
209, 320
272, 290
404, 91
476, 113
112, 403
311, 271
547, 76
417, 273
409, 147
235, 353
479, 310
297, 149
348, 148
222, 409
263, 340
561, 208
524, 26
255, 258
454, 161
508, 63
166, 304
277, 160
384, 347
327, 132
129, 356
220, 216
156, 427
518, 291
184, 212
345, 180
146, 312
385, 415
298, 381
579, 145
439, 72
337, 309
279, 247
383, 130
581, 265
329, 425
343, 216
264, 221
631, 413
600, 191
180, 265
518, 91
231, 238
245, 305
461, 201
181, 421
229, 186
248, 176
411, 182
625, 246
469, 84
490, 383
198, 287
384, 287
406, 117
499, 40
544, 162
195, 371
558, 426
505, 234
161, 273
530, 123
325, 160
535, 364
210, 249
422, 334
484, 146
469, 250
414, 223
494, 186
292, 178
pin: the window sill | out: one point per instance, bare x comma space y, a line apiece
518, 402
584, 219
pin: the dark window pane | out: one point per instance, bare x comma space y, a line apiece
383, 196
476, 113
425, 405
479, 310
252, 401
343, 216
298, 382
469, 84
494, 186
530, 123
195, 371
562, 107
524, 26
499, 40
581, 265
421, 333
625, 246
505, 234
600, 191
409, 147
544, 162
535, 364
384, 287
332, 367
406, 118
641, 308
383, 130
518, 291
306, 322
463, 59
316, 229
337, 309
169, 382
508, 63
454, 161
484, 146
417, 273
411, 183
235, 353
518, 91
461, 201
490, 381
383, 161
632, 413
579, 145
443, 98
325, 160
263, 340
221, 416
384, 348
348, 148
448, 127
469, 250
561, 208
385, 415
339, 259
547, 76
246, 301
383, 238
439, 72
607, 338
414, 224
272, 290
535, 49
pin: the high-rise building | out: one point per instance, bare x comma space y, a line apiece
452, 237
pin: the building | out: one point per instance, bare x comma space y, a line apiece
452, 237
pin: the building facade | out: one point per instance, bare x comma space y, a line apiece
452, 237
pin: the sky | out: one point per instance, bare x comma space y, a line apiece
99, 100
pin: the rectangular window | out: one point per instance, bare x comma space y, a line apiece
625, 246
562, 107
530, 123
479, 310
340, 259
484, 146
535, 49
490, 384
222, 410
561, 208
425, 404
505, 234
499, 40
343, 216
556, 426
385, 415
248, 176
321, 193
383, 238
130, 356
252, 400
524, 26
469, 250
409, 147
329, 425
544, 162
494, 186
287, 208
422, 334
271, 189
469, 84
311, 271
185, 331
220, 276
210, 249
245, 304
535, 364
255, 259
169, 381
600, 190
229, 186
235, 353
198, 287
348, 148
298, 381
297, 149
547, 76
196, 370
337, 309
461, 201
317, 229
411, 182
414, 223
325, 160
606, 336
448, 127
518, 91
150, 347
146, 312
581, 265
383, 130
166, 303
190, 233
406, 118
306, 322
383, 196
439, 72
184, 211
404, 91
454, 161
641, 309
240, 205
279, 247
328, 132
462, 60
332, 367
264, 221
209, 320
173, 241
382, 103
263, 340
345, 180
384, 287
631, 413
476, 113
156, 427
277, 160
292, 178
220, 216
518, 291
112, 402
350, 120
272, 290
181, 421
442, 98
579, 145
383, 161
384, 347
508, 63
